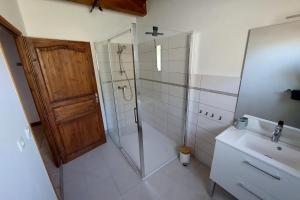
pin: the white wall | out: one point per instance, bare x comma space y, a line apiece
10, 11
72, 21
19, 77
223, 26
23, 175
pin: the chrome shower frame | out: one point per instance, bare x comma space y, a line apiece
137, 86
127, 157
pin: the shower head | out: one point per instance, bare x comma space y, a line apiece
155, 32
121, 48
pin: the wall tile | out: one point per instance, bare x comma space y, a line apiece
203, 135
147, 74
195, 80
218, 100
221, 83
177, 112
103, 57
177, 91
160, 87
192, 118
177, 102
164, 42
178, 78
177, 41
147, 66
177, 66
178, 54
146, 47
216, 114
105, 76
146, 84
203, 157
164, 55
102, 48
194, 95
193, 106
204, 145
160, 76
147, 57
210, 125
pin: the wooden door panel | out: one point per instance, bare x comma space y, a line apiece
80, 133
73, 111
64, 72
65, 68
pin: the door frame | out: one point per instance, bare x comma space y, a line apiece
25, 57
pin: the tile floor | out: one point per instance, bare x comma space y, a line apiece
103, 174
163, 152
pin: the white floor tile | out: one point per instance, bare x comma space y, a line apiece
99, 189
142, 191
104, 174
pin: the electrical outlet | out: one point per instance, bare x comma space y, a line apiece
28, 133
21, 144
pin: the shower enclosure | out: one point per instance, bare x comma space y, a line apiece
144, 81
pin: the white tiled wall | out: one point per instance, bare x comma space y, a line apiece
163, 103
119, 113
211, 99
211, 107
125, 109
107, 87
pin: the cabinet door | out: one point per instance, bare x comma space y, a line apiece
248, 178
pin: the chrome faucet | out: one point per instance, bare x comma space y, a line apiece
277, 132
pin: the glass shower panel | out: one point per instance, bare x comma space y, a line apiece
103, 57
115, 58
163, 77
122, 68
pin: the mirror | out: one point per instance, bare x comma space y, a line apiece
271, 72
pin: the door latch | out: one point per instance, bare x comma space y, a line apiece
97, 97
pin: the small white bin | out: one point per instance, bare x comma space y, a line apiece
184, 155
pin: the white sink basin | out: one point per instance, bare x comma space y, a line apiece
271, 150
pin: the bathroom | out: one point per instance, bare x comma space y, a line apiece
194, 99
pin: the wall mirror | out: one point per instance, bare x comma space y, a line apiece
271, 74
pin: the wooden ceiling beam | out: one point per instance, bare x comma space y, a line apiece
133, 7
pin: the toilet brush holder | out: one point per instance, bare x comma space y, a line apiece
184, 155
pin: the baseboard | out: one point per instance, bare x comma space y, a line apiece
35, 123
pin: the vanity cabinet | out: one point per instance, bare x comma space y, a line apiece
248, 178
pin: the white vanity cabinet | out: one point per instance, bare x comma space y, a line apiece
250, 178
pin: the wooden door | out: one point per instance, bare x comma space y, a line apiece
64, 74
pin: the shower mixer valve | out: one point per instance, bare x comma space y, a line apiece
122, 87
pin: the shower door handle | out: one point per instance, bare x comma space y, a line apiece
135, 115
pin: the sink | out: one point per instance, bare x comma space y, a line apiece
276, 151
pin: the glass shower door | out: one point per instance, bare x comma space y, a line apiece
162, 80
108, 95
121, 62
115, 58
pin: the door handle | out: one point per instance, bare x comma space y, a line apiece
135, 115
